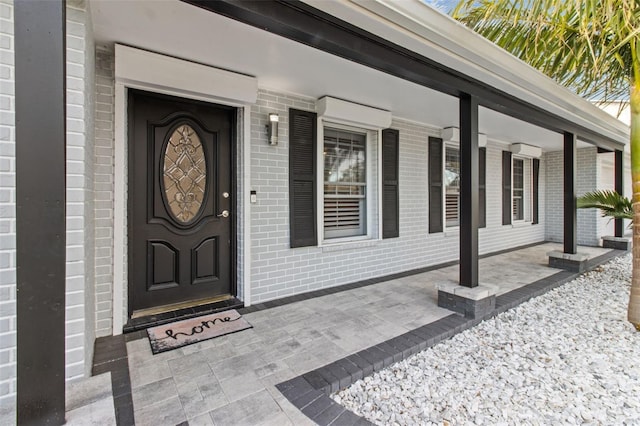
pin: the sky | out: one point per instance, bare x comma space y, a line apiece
444, 5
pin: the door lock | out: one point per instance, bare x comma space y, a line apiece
225, 213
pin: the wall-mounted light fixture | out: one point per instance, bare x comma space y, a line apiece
272, 129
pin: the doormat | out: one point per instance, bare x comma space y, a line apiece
181, 333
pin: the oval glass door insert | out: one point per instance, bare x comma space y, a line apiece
185, 174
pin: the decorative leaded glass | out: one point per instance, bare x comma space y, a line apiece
184, 174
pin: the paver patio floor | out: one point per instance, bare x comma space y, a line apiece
231, 380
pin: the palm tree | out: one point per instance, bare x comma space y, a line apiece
610, 203
592, 47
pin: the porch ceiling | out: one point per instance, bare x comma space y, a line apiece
181, 30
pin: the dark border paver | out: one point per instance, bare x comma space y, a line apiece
110, 355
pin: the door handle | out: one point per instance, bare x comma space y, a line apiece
225, 213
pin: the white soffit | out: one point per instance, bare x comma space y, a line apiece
136, 66
337, 110
424, 30
452, 134
526, 150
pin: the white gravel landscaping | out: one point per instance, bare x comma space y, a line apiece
567, 357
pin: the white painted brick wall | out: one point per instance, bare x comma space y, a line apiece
103, 186
80, 309
554, 212
7, 214
587, 174
270, 215
242, 188
606, 180
588, 219
496, 236
278, 271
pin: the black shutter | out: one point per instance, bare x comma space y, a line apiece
390, 193
435, 185
302, 178
507, 205
482, 188
536, 178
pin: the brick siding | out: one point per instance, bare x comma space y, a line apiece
103, 187
278, 271
80, 306
589, 229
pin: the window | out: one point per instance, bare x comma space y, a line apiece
518, 189
452, 186
444, 185
521, 189
333, 182
345, 183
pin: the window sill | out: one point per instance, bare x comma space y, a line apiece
350, 244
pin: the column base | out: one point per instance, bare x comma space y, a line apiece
617, 243
570, 262
471, 302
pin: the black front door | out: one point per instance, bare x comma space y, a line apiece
180, 201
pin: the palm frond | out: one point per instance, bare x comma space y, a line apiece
610, 203
584, 45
